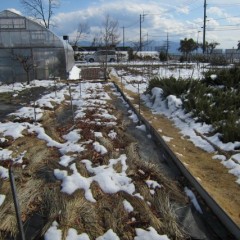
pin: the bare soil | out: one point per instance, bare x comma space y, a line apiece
211, 174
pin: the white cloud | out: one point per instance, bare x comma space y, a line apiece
233, 20
179, 21
184, 10
215, 11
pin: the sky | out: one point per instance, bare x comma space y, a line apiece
176, 18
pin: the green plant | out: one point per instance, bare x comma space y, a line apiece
229, 128
215, 101
163, 56
218, 60
170, 86
228, 78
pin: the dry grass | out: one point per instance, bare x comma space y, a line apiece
114, 215
29, 198
52, 205
82, 168
50, 126
75, 212
165, 209
143, 213
40, 192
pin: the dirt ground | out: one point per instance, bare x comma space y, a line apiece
211, 174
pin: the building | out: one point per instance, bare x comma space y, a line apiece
30, 51
232, 55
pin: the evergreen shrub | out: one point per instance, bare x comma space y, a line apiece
215, 101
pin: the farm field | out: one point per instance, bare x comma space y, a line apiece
80, 158
215, 164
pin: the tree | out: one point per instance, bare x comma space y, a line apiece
211, 46
41, 10
97, 41
163, 56
136, 48
26, 62
238, 45
83, 29
110, 35
187, 46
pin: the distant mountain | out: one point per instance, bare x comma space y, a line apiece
152, 46
158, 46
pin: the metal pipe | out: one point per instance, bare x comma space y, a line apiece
16, 204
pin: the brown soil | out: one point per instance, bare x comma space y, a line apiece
211, 174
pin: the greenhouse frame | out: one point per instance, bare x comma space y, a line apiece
30, 51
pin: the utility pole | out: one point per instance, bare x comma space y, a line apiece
140, 40
167, 46
197, 40
204, 26
147, 42
123, 36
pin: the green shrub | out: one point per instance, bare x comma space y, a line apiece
170, 86
183, 59
207, 101
229, 128
163, 56
130, 54
218, 60
228, 78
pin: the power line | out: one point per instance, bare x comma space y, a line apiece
223, 30
224, 18
133, 24
195, 25
224, 4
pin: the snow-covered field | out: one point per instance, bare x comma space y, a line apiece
87, 96
172, 108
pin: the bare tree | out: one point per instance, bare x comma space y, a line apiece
83, 30
41, 10
26, 62
133, 54
110, 34
97, 41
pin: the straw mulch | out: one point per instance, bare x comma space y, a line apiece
39, 192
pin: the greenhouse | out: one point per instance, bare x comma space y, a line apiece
30, 51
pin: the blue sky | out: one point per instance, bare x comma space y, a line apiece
178, 18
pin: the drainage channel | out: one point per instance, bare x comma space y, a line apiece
217, 224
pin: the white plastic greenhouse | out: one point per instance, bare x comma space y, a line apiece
29, 50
